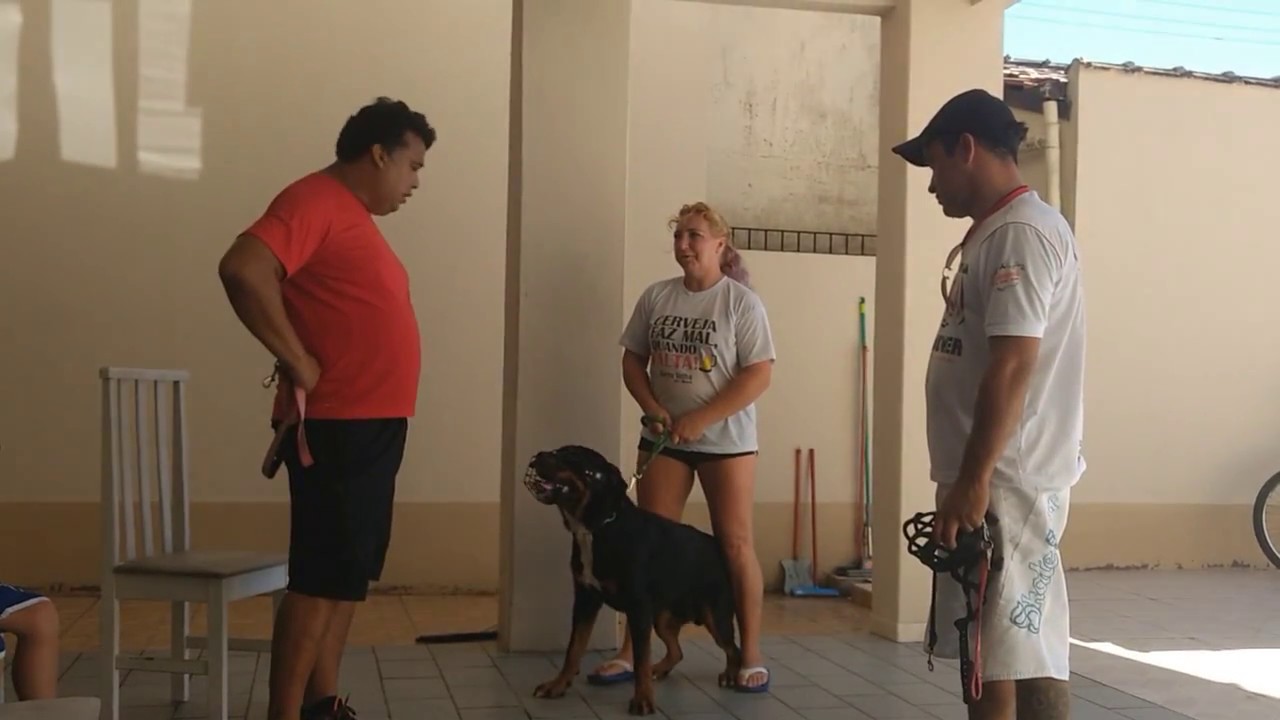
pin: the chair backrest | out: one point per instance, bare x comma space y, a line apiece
144, 460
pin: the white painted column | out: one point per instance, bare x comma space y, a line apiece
565, 290
930, 51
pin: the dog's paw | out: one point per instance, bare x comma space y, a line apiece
641, 704
553, 688
662, 670
729, 678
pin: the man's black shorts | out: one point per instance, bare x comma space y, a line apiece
340, 507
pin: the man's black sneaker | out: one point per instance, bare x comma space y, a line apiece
330, 708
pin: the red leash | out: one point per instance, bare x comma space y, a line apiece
271, 463
975, 682
304, 450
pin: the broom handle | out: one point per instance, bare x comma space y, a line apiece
795, 507
860, 492
866, 435
813, 516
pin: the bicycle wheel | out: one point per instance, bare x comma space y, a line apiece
1266, 519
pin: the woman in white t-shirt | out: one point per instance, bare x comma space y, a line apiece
698, 353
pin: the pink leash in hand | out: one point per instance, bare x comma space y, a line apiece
304, 450
271, 463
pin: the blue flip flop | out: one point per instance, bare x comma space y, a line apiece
745, 673
628, 673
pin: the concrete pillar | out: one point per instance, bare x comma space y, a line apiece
564, 289
930, 50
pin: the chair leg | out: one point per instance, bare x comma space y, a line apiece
108, 650
216, 651
179, 629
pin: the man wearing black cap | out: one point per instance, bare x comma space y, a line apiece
1005, 406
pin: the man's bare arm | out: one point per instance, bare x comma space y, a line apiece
999, 406
251, 276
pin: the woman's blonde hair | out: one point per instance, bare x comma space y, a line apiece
730, 261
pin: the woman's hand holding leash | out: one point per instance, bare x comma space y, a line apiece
688, 427
657, 420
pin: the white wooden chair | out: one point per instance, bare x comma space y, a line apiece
133, 455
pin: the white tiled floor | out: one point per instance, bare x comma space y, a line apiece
1150, 645
1204, 643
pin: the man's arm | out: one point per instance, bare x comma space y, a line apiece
1015, 274
1019, 270
998, 410
251, 276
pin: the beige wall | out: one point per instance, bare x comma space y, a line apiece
792, 137
1033, 158
115, 264
686, 60
127, 227
264, 116
1176, 222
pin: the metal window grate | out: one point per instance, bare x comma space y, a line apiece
804, 241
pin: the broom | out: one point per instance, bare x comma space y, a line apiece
860, 568
800, 576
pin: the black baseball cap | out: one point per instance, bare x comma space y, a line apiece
976, 112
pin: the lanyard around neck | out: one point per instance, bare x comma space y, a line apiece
997, 207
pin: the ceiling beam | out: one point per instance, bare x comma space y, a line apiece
852, 7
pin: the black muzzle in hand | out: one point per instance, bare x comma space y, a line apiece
968, 562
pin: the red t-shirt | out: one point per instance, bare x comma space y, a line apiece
347, 295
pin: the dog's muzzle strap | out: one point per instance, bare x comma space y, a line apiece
970, 564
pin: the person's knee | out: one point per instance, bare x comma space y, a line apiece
738, 546
1044, 699
998, 701
38, 622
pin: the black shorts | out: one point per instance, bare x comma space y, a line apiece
340, 507
691, 458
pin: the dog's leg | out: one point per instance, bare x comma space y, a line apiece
640, 623
667, 626
586, 606
719, 621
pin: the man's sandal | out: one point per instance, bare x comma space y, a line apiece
601, 678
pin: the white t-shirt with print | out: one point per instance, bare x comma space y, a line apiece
696, 342
1019, 275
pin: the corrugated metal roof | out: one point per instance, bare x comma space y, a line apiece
1036, 73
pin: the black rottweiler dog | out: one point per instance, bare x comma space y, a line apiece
661, 574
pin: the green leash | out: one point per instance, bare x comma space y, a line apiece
663, 439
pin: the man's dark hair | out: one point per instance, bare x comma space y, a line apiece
1004, 142
383, 122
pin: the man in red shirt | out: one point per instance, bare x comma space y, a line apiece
316, 283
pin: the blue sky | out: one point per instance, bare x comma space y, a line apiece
1209, 35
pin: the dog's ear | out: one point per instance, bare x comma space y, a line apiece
613, 484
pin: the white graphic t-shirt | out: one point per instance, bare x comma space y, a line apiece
696, 342
1019, 274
